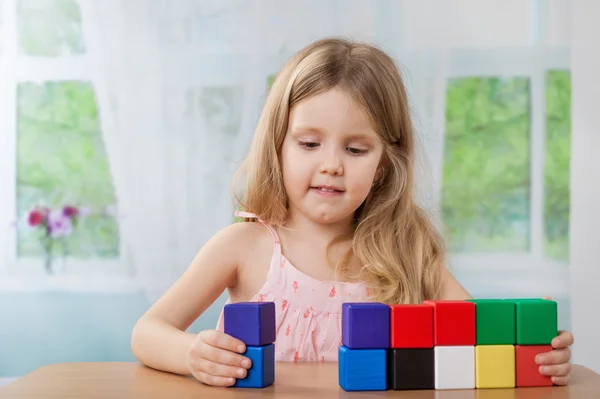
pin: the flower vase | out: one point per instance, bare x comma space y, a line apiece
48, 263
47, 241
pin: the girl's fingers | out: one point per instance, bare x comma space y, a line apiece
564, 339
226, 357
213, 380
560, 380
218, 370
556, 370
222, 340
556, 356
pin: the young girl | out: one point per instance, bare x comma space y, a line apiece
329, 218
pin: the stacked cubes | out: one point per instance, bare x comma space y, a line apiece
481, 343
363, 353
510, 333
254, 324
454, 344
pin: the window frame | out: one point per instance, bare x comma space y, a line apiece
17, 68
532, 63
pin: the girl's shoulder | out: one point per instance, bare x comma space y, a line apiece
247, 236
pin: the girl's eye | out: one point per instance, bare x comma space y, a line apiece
309, 144
356, 151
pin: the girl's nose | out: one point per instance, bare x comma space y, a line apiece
332, 166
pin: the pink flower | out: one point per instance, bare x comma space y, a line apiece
35, 217
70, 211
59, 224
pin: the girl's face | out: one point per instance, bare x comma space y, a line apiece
330, 157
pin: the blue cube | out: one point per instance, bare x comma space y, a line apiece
366, 325
362, 369
262, 372
251, 322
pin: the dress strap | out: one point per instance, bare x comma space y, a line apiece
276, 240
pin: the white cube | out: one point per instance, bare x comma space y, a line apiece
454, 367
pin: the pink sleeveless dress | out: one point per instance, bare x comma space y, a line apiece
308, 311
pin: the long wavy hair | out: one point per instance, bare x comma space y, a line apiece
399, 248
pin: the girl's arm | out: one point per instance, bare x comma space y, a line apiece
451, 288
159, 339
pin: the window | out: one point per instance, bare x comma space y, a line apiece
55, 156
557, 162
485, 195
505, 190
61, 161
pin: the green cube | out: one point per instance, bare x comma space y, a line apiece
495, 322
536, 320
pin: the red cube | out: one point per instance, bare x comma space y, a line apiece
527, 371
453, 322
411, 326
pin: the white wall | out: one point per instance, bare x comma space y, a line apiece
585, 183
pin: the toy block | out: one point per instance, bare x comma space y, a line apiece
365, 325
362, 369
262, 371
454, 367
251, 322
411, 326
453, 322
536, 321
528, 372
411, 368
495, 366
494, 322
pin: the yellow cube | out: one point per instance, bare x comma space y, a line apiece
495, 366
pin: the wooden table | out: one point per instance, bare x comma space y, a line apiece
302, 380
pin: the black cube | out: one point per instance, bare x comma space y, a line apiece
411, 368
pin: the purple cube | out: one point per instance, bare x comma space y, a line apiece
251, 322
366, 325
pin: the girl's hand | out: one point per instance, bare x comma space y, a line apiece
214, 358
557, 363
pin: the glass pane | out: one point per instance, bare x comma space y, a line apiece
49, 28
61, 161
556, 165
485, 190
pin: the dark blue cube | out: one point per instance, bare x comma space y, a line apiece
262, 372
366, 325
362, 369
251, 322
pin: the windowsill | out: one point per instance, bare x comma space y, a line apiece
72, 283
514, 280
482, 275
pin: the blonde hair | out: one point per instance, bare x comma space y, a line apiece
398, 247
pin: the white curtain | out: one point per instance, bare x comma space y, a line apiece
180, 86
127, 74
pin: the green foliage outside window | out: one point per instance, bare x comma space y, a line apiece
486, 173
486, 179
557, 165
61, 160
